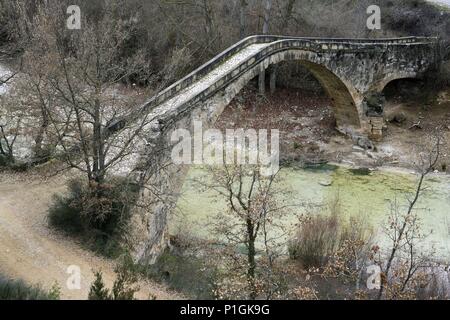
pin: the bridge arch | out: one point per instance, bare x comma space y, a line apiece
381, 85
344, 105
346, 100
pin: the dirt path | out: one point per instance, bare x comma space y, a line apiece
29, 250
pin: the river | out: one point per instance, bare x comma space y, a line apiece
366, 195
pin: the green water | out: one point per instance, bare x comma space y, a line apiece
367, 194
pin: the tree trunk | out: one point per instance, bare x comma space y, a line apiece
242, 20
273, 79
211, 31
39, 153
262, 73
267, 8
262, 81
287, 16
97, 146
251, 259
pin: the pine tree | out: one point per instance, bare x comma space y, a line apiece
98, 291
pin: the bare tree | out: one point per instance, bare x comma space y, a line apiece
248, 220
12, 114
9, 131
287, 16
267, 9
242, 18
403, 230
77, 77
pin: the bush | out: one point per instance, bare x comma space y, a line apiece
186, 273
322, 236
124, 287
5, 160
315, 241
19, 290
97, 213
98, 290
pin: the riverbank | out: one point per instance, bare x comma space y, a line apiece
308, 134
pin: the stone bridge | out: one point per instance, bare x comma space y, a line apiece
352, 71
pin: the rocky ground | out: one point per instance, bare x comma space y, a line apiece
308, 134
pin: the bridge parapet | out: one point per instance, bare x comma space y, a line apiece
280, 42
318, 46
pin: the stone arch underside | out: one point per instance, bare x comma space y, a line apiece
345, 98
345, 109
381, 85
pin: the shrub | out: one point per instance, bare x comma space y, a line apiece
124, 287
323, 237
186, 273
4, 161
19, 290
315, 240
97, 213
98, 290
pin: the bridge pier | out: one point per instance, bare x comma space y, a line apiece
273, 79
374, 104
262, 81
376, 128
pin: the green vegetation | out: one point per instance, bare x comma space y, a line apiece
321, 236
360, 171
123, 288
19, 290
4, 160
98, 214
185, 273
